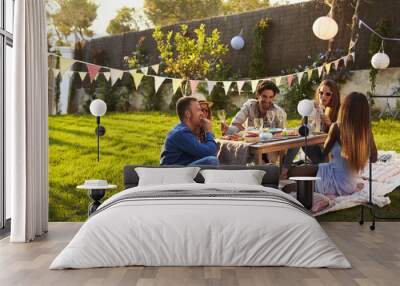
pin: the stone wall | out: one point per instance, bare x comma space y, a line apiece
289, 38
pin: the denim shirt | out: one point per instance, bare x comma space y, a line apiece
182, 146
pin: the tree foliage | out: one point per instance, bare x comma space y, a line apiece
72, 17
238, 6
126, 20
190, 56
166, 12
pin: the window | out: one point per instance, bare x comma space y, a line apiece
6, 44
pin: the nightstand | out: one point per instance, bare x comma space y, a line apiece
95, 192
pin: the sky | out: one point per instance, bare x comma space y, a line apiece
108, 9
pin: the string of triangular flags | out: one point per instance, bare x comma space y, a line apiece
93, 71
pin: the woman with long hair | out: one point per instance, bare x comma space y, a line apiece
327, 104
327, 100
351, 143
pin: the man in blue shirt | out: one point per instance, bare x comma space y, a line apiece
182, 146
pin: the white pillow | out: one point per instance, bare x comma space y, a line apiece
166, 176
248, 177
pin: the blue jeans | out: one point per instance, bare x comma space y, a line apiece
314, 152
209, 160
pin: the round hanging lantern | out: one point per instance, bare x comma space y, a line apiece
325, 28
237, 42
380, 60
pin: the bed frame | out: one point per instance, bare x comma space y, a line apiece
270, 179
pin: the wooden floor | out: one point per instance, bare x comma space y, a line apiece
375, 257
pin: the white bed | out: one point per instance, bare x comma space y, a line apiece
201, 231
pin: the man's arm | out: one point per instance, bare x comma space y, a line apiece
187, 142
239, 119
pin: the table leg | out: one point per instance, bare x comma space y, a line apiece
95, 195
258, 156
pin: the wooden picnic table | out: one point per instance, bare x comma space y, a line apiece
282, 145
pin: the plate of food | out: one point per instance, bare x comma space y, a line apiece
290, 132
275, 130
251, 137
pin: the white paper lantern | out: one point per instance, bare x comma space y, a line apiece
98, 107
380, 60
305, 107
325, 28
237, 42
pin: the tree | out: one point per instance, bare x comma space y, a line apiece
239, 6
187, 56
126, 20
166, 12
190, 57
72, 17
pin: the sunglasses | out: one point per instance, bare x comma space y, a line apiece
321, 93
205, 110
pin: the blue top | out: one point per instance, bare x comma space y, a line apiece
182, 146
336, 176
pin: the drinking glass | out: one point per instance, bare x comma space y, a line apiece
282, 119
270, 118
221, 115
259, 123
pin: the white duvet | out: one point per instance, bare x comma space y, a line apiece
200, 231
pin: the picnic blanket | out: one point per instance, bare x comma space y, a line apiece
233, 152
386, 178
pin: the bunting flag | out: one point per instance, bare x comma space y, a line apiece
93, 70
320, 69
137, 78
176, 83
309, 74
210, 86
336, 64
65, 64
290, 78
158, 80
138, 74
155, 68
144, 70
345, 60
227, 85
254, 84
300, 76
278, 80
107, 75
193, 85
115, 75
240, 84
328, 67
82, 75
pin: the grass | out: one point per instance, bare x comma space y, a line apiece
137, 138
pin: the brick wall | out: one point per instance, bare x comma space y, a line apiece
289, 38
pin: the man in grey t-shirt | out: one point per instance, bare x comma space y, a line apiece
255, 108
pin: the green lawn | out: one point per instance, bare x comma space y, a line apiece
136, 138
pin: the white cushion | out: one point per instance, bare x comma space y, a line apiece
166, 176
247, 177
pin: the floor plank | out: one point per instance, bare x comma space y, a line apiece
375, 257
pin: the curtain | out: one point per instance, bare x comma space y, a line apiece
27, 124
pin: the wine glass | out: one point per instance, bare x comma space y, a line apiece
282, 119
221, 115
270, 118
259, 123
